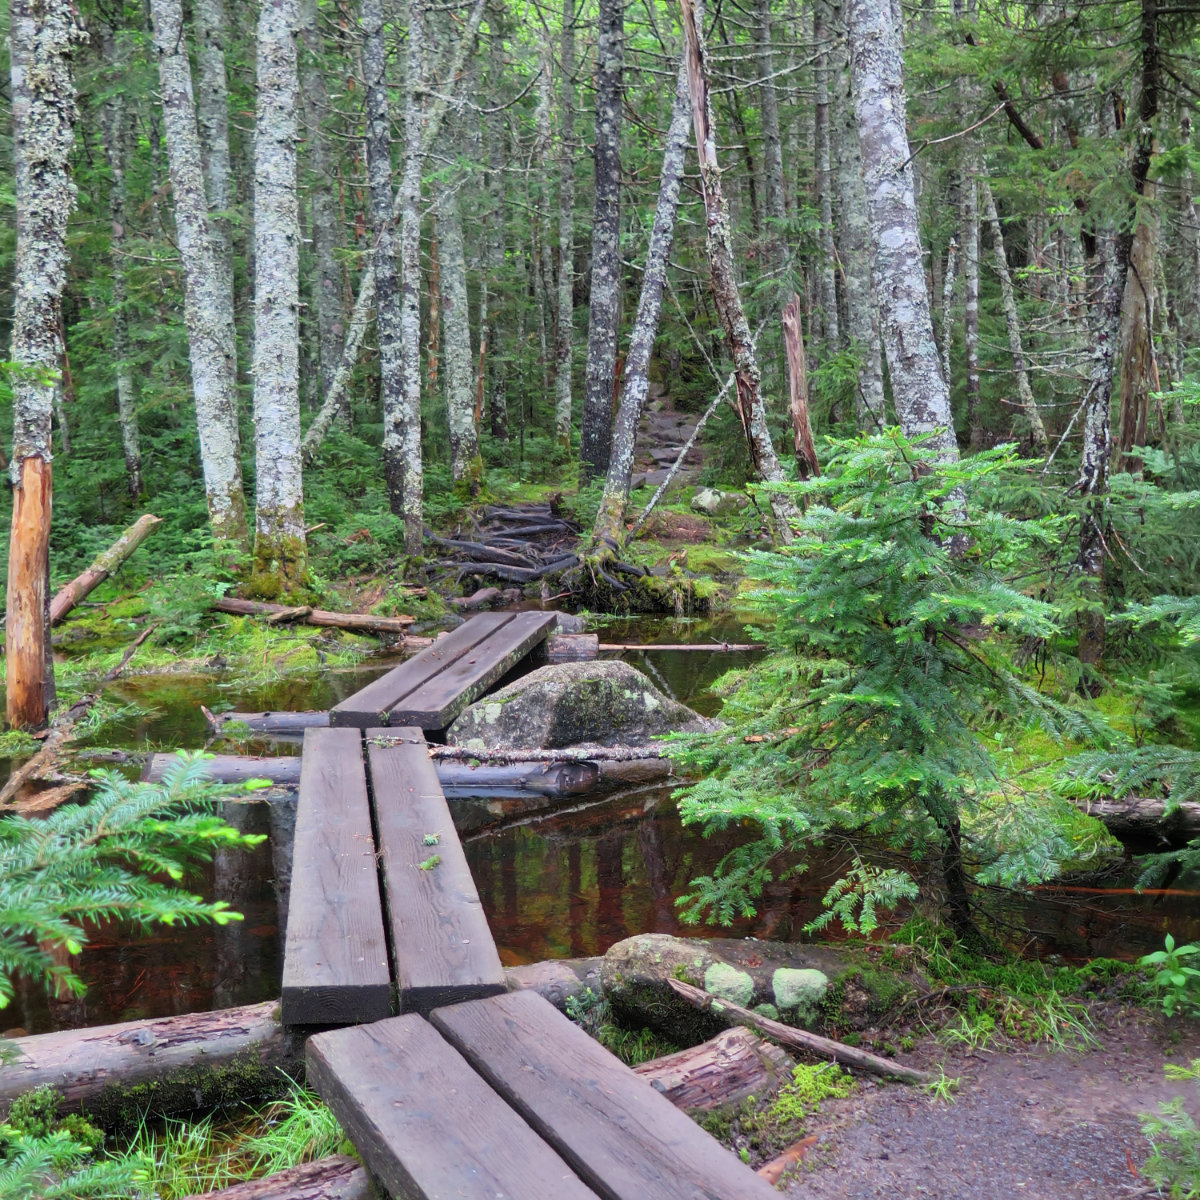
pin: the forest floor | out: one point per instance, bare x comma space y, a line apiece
1029, 1121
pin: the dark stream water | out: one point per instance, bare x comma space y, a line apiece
564, 883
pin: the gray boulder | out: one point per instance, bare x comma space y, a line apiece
714, 503
600, 703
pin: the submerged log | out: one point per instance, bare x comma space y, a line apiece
103, 567
182, 1063
333, 1178
724, 1070
356, 622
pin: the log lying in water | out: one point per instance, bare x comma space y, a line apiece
543, 773
724, 1070
357, 622
192, 1061
333, 1178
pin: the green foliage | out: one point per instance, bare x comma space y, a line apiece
1174, 1161
866, 889
1178, 983
36, 1114
890, 657
105, 860
592, 1012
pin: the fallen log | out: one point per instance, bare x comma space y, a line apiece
268, 722
1146, 817
103, 567
177, 1064
724, 1070
709, 647
357, 622
483, 598
801, 1039
283, 770
333, 1178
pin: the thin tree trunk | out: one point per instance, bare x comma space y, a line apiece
802, 438
117, 130
564, 330
918, 390
207, 312
465, 462
827, 290
604, 316
971, 303
405, 469
854, 245
610, 517
327, 286
726, 297
776, 209
1139, 365
433, 342
42, 37
543, 223
1008, 301
492, 361
280, 549
948, 277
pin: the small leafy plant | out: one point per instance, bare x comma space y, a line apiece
1174, 1162
1178, 983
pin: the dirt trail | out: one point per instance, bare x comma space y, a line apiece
1027, 1122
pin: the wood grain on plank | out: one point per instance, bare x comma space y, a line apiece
443, 696
621, 1136
369, 706
441, 944
425, 1123
335, 965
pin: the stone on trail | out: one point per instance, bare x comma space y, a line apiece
599, 703
712, 502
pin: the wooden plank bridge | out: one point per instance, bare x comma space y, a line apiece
469, 1091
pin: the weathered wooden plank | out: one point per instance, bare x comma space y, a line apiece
335, 966
369, 706
443, 696
428, 1126
441, 944
620, 1136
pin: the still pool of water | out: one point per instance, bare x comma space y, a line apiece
566, 883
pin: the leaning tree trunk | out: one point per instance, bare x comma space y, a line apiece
465, 462
1008, 302
207, 312
854, 245
726, 297
566, 233
610, 518
596, 444
402, 454
42, 37
918, 390
117, 131
280, 550
383, 254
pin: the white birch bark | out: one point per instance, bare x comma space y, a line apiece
1009, 304
465, 462
827, 289
918, 390
280, 553
546, 293
564, 330
948, 277
971, 301
610, 517
207, 313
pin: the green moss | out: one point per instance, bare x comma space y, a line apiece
36, 1115
729, 983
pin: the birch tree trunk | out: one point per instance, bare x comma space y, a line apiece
610, 517
971, 303
327, 286
207, 312
604, 317
773, 187
948, 277
1008, 302
42, 38
280, 551
827, 289
117, 130
854, 242
402, 454
564, 330
918, 390
726, 297
466, 465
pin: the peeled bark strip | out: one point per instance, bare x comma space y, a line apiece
726, 297
280, 548
207, 313
566, 232
103, 567
42, 38
793, 339
190, 1060
1008, 302
610, 517
605, 302
919, 391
